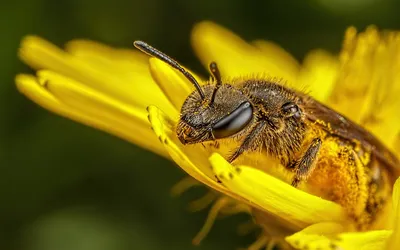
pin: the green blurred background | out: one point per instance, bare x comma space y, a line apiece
67, 186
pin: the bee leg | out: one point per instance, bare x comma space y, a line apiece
306, 164
251, 142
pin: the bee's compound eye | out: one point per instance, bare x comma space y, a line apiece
291, 109
234, 122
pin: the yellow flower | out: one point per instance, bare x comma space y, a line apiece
110, 89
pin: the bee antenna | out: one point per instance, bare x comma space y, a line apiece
144, 47
217, 76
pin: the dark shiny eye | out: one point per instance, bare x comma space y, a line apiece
291, 109
234, 122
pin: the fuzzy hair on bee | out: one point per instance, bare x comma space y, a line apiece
339, 159
236, 112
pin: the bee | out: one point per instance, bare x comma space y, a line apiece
338, 159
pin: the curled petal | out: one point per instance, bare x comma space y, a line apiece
370, 240
189, 159
328, 236
163, 128
317, 236
292, 205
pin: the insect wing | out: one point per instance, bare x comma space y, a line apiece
338, 125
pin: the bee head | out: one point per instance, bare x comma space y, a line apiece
224, 112
211, 112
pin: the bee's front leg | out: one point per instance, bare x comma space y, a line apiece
306, 164
250, 142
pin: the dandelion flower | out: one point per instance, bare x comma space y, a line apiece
125, 93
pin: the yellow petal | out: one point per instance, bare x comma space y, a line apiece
317, 236
131, 66
371, 240
29, 86
329, 236
281, 58
115, 59
77, 95
234, 56
394, 241
318, 74
125, 79
192, 161
174, 85
98, 118
163, 128
368, 85
292, 205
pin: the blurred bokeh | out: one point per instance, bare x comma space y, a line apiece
64, 186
